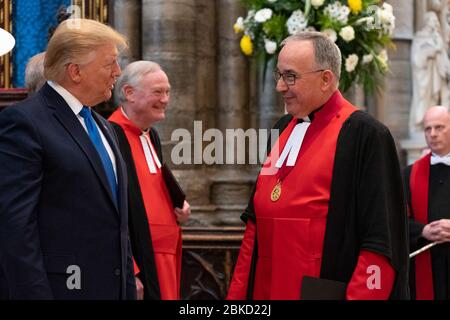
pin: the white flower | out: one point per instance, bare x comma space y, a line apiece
240, 22
239, 25
367, 20
270, 46
338, 12
317, 3
383, 56
271, 1
330, 34
263, 15
388, 7
387, 20
367, 58
347, 33
351, 62
296, 22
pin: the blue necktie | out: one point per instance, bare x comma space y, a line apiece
96, 139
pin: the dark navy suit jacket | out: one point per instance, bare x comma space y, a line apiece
56, 208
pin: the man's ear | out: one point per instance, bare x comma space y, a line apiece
73, 72
128, 92
327, 80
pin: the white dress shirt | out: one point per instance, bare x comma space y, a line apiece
76, 106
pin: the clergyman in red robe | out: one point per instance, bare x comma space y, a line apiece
327, 217
143, 91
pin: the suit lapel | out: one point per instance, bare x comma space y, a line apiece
72, 125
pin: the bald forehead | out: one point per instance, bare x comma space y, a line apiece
438, 112
299, 46
299, 51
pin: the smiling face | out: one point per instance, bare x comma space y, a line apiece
308, 92
437, 130
147, 102
98, 76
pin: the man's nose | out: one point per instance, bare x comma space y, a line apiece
116, 69
165, 97
281, 86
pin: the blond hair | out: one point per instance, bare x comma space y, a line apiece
73, 41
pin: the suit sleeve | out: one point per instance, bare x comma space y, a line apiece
20, 185
131, 281
239, 283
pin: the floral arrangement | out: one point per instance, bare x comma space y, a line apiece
362, 29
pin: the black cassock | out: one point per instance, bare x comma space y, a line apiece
140, 237
438, 208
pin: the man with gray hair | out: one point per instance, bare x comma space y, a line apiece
327, 217
143, 92
63, 186
427, 183
34, 73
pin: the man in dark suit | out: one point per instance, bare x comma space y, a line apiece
63, 195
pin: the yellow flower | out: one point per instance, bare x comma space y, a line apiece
246, 45
355, 5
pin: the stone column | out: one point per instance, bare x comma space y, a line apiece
170, 38
206, 51
232, 84
395, 104
231, 183
420, 8
126, 19
270, 104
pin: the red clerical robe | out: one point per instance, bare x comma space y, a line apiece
164, 230
290, 231
418, 184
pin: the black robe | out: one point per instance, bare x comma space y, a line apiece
438, 208
140, 237
365, 164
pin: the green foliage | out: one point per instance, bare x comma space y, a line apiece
372, 27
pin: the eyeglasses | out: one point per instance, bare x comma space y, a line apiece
289, 78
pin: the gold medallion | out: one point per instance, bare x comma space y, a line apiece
276, 192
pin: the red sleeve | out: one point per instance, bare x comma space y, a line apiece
239, 282
136, 268
372, 279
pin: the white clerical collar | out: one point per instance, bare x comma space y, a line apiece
293, 144
151, 156
435, 159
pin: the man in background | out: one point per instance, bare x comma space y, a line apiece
34, 73
143, 92
427, 184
